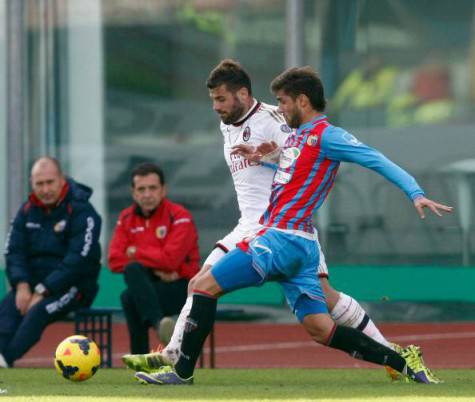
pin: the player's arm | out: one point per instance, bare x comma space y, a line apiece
266, 153
342, 146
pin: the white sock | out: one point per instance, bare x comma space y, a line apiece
174, 346
349, 313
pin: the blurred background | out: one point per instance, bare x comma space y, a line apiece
103, 85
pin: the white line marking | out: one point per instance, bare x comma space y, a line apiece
289, 345
306, 344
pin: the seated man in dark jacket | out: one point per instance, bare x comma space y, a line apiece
52, 256
155, 245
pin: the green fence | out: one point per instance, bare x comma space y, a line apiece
365, 283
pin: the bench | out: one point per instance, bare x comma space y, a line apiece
96, 324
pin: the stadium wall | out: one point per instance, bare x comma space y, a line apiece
365, 283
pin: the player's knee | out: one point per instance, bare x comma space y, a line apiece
207, 284
319, 327
192, 282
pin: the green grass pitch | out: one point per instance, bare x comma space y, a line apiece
236, 385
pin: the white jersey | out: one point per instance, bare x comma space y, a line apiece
252, 181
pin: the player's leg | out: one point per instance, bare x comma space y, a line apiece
313, 315
169, 355
344, 309
232, 272
306, 299
171, 351
323, 330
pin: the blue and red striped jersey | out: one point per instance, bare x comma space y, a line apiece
307, 168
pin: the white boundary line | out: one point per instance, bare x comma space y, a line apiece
292, 345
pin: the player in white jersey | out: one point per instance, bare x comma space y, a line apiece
252, 181
244, 120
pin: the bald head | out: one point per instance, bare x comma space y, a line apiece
47, 180
45, 162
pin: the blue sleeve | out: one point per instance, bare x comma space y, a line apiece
83, 254
16, 251
270, 165
339, 145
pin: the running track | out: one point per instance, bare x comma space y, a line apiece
245, 345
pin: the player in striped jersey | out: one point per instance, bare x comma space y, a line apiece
246, 121
285, 250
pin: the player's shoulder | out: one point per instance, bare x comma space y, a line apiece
269, 113
335, 134
269, 120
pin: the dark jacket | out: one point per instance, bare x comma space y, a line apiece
58, 247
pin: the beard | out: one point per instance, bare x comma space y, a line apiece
234, 114
294, 120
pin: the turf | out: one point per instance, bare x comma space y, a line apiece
237, 385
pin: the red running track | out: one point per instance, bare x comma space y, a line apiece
445, 345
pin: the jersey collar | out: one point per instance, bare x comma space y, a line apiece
251, 111
312, 122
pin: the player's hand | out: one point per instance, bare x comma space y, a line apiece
36, 298
423, 202
270, 152
23, 297
266, 150
267, 147
247, 151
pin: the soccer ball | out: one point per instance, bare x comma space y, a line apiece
77, 358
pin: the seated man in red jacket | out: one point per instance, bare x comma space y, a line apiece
155, 245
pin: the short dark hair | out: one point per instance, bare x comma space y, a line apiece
230, 73
146, 168
301, 80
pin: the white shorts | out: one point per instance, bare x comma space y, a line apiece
228, 243
322, 270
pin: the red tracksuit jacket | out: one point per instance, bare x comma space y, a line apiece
167, 240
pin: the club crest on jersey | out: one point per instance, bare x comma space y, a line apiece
60, 226
161, 232
246, 134
312, 140
288, 157
285, 128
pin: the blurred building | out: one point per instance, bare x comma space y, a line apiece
103, 85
